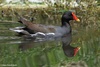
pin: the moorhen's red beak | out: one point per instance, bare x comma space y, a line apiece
76, 50
75, 17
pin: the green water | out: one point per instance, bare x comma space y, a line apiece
17, 52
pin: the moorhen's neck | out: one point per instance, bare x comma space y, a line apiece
64, 22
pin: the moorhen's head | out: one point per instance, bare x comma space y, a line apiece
67, 16
70, 51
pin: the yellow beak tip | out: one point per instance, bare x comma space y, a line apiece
78, 20
78, 47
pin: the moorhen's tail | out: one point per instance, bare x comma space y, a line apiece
22, 31
22, 20
19, 31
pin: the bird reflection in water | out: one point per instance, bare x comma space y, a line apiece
69, 50
31, 42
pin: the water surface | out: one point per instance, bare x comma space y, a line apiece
17, 51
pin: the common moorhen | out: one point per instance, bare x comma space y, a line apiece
63, 31
31, 28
